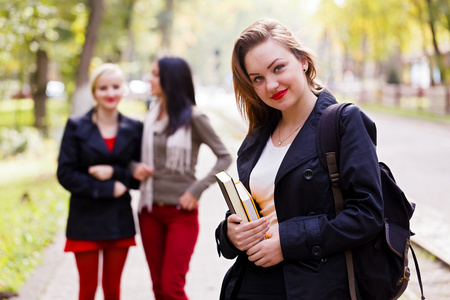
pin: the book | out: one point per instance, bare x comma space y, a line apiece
238, 199
247, 202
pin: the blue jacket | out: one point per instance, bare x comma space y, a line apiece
311, 235
94, 213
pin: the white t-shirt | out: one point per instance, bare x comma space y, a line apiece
262, 181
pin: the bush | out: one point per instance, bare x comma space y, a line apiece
31, 212
13, 142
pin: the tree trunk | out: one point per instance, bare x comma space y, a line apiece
165, 23
82, 100
38, 87
128, 53
438, 56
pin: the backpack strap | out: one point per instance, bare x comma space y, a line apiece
328, 146
328, 143
328, 136
419, 278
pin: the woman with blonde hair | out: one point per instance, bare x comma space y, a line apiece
96, 150
303, 256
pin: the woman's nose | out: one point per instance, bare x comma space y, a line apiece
272, 84
111, 92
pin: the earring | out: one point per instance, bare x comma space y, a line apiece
304, 70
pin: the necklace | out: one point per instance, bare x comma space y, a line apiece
279, 134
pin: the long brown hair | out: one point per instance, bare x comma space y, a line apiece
250, 105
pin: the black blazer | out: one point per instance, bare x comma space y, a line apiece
310, 232
94, 213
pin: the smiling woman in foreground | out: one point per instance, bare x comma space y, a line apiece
303, 258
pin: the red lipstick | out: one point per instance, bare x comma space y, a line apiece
279, 95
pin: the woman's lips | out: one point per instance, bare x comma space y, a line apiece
279, 95
110, 100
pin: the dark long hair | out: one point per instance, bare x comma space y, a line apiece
177, 84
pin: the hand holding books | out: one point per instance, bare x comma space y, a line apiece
239, 200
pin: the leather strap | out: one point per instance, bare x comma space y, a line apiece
339, 206
419, 277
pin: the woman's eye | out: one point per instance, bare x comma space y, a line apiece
116, 87
257, 79
278, 68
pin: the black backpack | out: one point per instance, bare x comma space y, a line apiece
379, 269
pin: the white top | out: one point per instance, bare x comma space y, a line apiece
262, 181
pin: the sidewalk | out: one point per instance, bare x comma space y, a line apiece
57, 278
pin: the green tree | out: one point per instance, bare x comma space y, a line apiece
33, 31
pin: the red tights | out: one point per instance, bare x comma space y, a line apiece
113, 263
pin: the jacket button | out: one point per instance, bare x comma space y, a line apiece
316, 251
308, 174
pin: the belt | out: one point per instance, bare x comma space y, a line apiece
160, 204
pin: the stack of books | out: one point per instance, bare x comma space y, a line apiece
238, 199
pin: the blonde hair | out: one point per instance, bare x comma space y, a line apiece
107, 68
248, 102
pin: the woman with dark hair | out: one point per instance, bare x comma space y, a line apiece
174, 129
304, 254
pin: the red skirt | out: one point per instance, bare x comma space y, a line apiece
88, 245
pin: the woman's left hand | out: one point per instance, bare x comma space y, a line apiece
101, 172
188, 202
268, 252
119, 189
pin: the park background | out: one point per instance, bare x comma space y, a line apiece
391, 56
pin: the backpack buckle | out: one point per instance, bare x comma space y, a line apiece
334, 179
314, 268
405, 276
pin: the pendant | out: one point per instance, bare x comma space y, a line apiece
279, 143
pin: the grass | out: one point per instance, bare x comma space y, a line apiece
29, 218
411, 107
33, 205
19, 113
410, 113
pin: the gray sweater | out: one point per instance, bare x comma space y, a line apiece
169, 185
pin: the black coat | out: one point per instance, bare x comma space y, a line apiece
308, 227
94, 213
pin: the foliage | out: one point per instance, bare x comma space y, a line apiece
13, 142
208, 48
33, 207
383, 31
17, 114
32, 216
51, 25
345, 32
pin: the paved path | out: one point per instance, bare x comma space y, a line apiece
424, 178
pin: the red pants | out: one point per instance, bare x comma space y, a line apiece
169, 236
113, 263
